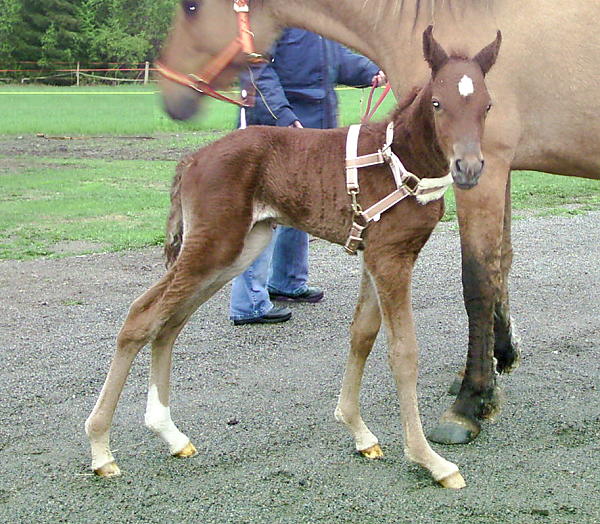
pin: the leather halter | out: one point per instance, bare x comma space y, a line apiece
407, 184
244, 42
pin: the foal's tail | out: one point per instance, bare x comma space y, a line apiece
174, 233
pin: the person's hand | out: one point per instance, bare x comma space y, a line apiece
379, 79
296, 123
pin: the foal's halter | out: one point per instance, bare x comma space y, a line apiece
244, 42
407, 184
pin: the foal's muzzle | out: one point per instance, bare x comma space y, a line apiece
466, 170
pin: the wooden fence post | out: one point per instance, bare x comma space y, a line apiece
146, 71
77, 74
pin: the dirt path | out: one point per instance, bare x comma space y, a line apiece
286, 460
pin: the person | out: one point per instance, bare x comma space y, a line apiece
295, 89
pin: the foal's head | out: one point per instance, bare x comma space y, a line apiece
460, 102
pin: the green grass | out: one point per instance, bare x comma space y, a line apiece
55, 207
100, 205
123, 110
541, 194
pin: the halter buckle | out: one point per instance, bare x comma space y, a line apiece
414, 179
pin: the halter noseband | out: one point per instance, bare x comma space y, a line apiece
244, 42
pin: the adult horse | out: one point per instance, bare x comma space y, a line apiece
546, 92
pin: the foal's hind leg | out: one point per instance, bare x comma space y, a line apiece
158, 412
132, 337
158, 316
158, 416
392, 276
365, 326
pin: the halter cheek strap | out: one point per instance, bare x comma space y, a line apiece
244, 42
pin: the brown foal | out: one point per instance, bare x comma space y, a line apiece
226, 199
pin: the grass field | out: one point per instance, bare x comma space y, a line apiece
124, 110
68, 203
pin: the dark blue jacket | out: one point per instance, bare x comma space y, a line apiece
298, 83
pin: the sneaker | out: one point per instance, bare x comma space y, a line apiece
277, 314
312, 294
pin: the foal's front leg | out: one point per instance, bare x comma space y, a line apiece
364, 329
392, 278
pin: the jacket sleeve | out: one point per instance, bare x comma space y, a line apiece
355, 70
270, 90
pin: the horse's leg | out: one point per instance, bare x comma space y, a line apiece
363, 332
158, 412
506, 341
133, 336
158, 415
393, 279
506, 347
158, 316
481, 217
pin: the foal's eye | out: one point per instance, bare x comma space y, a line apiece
190, 7
436, 105
488, 107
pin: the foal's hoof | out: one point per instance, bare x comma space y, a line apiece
108, 470
454, 481
187, 452
459, 430
374, 452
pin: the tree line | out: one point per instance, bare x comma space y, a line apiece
47, 32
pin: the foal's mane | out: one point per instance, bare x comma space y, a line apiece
404, 103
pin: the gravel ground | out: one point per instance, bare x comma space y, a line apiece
258, 401
286, 459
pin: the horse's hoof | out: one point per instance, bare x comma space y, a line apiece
454, 481
187, 452
457, 431
374, 452
108, 470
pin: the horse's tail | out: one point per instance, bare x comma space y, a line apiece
174, 233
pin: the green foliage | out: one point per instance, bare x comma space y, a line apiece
9, 17
47, 31
51, 31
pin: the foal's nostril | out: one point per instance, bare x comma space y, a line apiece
458, 165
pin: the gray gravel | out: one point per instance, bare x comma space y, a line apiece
286, 460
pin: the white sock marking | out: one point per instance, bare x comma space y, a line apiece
158, 419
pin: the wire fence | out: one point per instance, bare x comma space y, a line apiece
77, 74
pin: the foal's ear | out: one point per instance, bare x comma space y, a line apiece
487, 56
434, 54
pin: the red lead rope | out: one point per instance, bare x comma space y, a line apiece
368, 112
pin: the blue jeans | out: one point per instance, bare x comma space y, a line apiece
281, 267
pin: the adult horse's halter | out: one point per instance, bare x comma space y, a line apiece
244, 42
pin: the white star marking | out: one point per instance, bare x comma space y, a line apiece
465, 86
